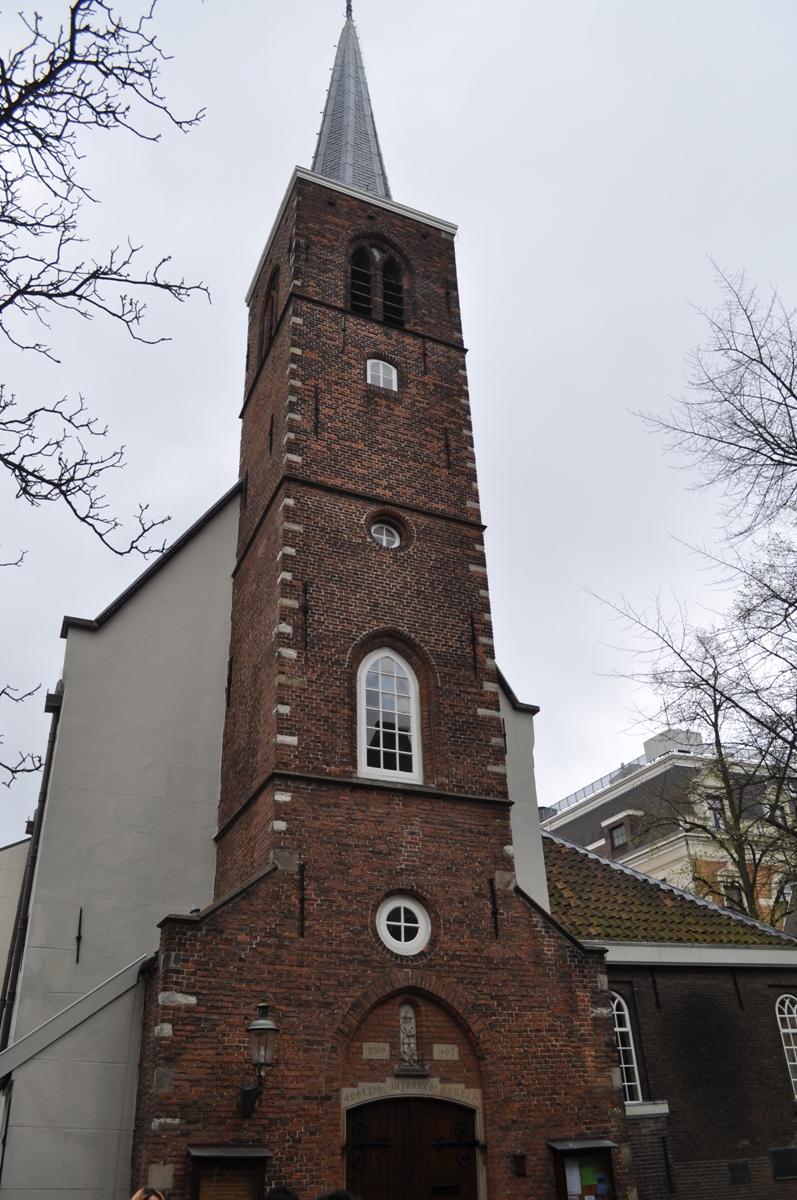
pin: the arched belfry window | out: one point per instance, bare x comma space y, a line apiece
392, 293
270, 314
629, 1072
786, 1009
389, 745
361, 282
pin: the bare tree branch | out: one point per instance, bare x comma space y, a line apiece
735, 682
26, 764
96, 71
44, 452
737, 423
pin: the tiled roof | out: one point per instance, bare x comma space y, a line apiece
595, 897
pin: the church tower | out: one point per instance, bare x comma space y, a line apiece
437, 1032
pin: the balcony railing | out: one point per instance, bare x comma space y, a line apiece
597, 785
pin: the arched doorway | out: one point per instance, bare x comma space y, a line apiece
411, 1148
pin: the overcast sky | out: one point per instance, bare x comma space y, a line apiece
593, 153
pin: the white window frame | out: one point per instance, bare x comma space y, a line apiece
626, 1050
380, 524
786, 1012
420, 941
381, 365
416, 775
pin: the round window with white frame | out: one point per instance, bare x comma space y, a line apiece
386, 535
388, 719
403, 925
382, 374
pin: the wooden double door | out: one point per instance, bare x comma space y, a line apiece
411, 1149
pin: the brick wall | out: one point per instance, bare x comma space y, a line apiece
708, 1043
528, 1010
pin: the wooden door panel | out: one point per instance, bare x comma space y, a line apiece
227, 1182
411, 1149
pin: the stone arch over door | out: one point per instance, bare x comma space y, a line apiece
411, 983
429, 1101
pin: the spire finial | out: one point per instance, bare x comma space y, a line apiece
348, 10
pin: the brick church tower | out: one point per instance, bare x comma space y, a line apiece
438, 1033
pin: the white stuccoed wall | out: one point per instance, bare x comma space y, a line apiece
526, 837
127, 835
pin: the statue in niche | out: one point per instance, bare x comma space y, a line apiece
408, 1044
408, 1039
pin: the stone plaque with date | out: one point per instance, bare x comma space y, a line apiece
376, 1050
440, 1051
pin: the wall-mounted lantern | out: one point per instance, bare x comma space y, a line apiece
262, 1040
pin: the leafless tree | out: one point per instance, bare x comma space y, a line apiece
95, 71
741, 696
737, 421
733, 677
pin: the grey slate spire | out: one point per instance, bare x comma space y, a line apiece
348, 148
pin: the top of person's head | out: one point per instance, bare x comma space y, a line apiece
281, 1193
148, 1193
340, 1194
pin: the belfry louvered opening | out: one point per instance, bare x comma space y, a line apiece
361, 282
392, 293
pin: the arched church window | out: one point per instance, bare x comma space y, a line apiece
392, 293
389, 735
786, 1009
382, 375
625, 1049
361, 282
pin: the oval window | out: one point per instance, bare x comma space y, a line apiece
386, 535
403, 925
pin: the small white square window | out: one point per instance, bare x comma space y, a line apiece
381, 374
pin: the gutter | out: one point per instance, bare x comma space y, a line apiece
8, 994
694, 954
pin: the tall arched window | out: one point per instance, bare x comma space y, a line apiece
625, 1049
786, 1008
389, 745
361, 282
392, 293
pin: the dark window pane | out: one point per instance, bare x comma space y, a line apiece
361, 282
392, 293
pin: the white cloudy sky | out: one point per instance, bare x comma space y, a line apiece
593, 153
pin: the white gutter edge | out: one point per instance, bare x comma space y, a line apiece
692, 954
347, 190
63, 1022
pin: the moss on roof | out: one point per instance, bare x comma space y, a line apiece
594, 897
